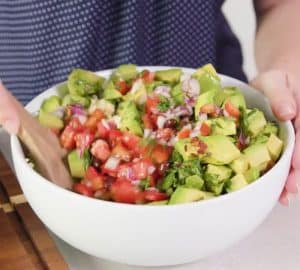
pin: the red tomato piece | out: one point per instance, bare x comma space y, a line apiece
131, 141
114, 137
83, 189
151, 103
67, 138
121, 152
232, 110
205, 129
165, 134
141, 168
84, 140
122, 87
96, 116
125, 192
75, 124
160, 153
208, 108
147, 121
148, 76
154, 195
103, 131
100, 149
184, 133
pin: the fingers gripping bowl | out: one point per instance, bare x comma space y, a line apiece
156, 235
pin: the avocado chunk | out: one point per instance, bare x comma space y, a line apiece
239, 165
185, 148
258, 156
126, 72
110, 92
177, 94
49, 120
237, 182
194, 181
251, 175
224, 126
203, 99
83, 82
51, 104
164, 202
138, 92
234, 95
274, 146
215, 178
271, 128
208, 78
130, 118
256, 122
220, 150
185, 195
171, 76
76, 164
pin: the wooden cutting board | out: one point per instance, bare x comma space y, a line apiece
24, 241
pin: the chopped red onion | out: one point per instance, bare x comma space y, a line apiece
191, 87
160, 121
163, 90
59, 112
147, 132
112, 163
105, 123
194, 133
77, 109
226, 114
82, 118
202, 117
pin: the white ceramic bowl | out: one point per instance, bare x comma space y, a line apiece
155, 235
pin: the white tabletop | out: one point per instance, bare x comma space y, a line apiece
274, 245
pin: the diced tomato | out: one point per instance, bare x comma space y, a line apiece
208, 108
103, 132
160, 153
122, 87
125, 172
84, 140
152, 180
205, 129
100, 149
114, 137
121, 152
83, 189
148, 76
154, 195
91, 173
184, 133
141, 168
76, 125
67, 138
147, 121
131, 141
125, 192
151, 103
165, 134
96, 116
232, 110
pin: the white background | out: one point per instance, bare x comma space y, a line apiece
240, 14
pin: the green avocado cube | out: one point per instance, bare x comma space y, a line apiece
186, 195
76, 164
237, 182
239, 165
256, 122
51, 104
258, 156
171, 76
126, 72
251, 175
49, 120
274, 146
110, 92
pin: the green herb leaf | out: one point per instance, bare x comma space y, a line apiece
145, 183
87, 158
164, 104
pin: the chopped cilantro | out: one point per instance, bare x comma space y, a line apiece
164, 104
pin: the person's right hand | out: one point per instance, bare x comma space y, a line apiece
9, 118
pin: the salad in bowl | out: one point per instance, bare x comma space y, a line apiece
159, 137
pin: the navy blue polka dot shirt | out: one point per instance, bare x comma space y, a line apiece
42, 41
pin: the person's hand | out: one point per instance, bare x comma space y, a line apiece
284, 95
8, 114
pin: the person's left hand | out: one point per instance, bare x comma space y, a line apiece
284, 95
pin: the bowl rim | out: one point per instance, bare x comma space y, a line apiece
17, 152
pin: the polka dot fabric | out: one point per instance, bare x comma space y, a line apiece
42, 41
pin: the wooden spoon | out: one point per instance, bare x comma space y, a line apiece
43, 146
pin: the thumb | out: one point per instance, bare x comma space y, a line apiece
9, 118
277, 86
